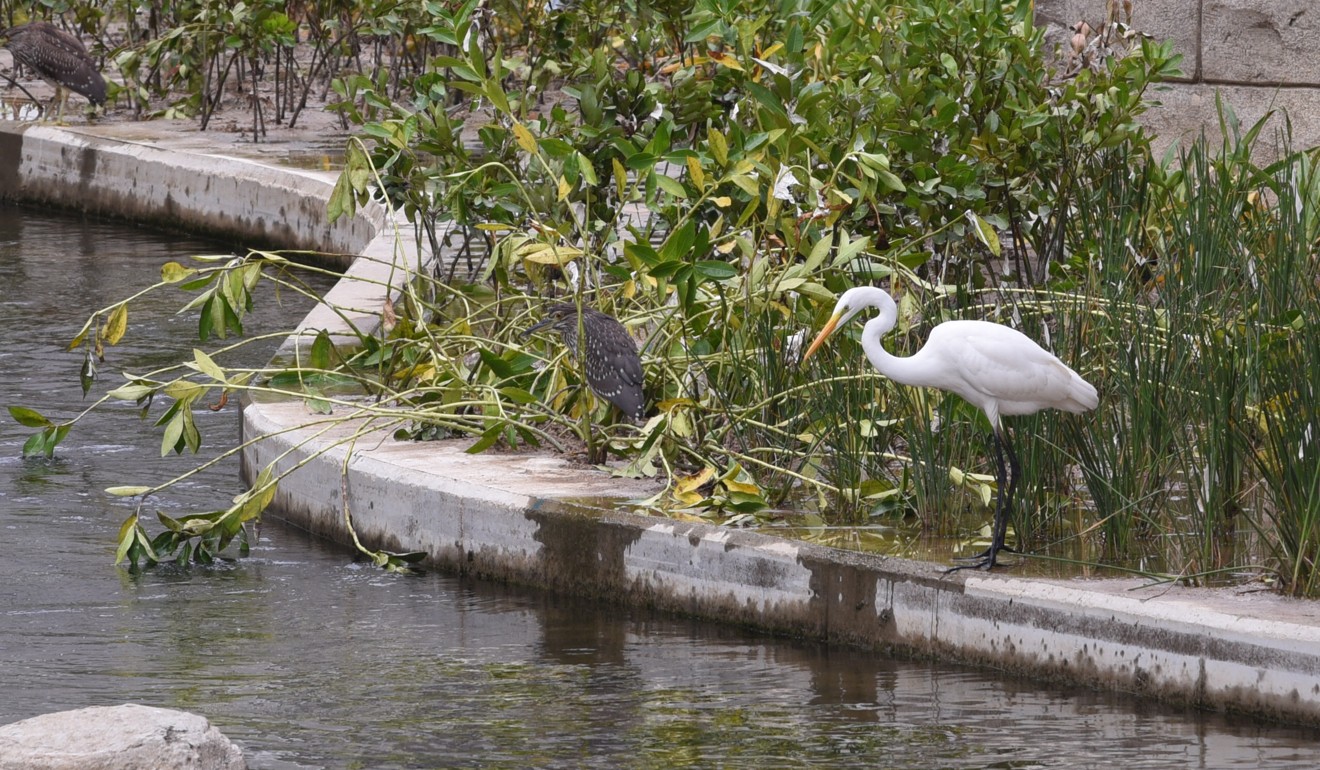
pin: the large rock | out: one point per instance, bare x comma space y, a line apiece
127, 737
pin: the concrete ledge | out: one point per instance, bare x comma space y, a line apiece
229, 199
537, 520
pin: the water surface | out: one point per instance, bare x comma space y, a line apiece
309, 659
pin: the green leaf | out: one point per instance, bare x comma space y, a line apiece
29, 418
499, 366
127, 491
641, 161
127, 537
518, 395
487, 440
131, 392
666, 269
208, 366
716, 271
679, 243
851, 249
671, 186
588, 172
87, 372
322, 350
819, 252
35, 445
641, 253
890, 180
172, 440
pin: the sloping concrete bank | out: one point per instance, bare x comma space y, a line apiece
535, 519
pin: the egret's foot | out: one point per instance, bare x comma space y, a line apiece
986, 560
986, 555
986, 564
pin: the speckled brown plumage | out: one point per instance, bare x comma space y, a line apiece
56, 57
614, 369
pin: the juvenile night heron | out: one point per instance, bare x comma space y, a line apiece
57, 58
614, 369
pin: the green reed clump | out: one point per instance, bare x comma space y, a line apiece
1204, 301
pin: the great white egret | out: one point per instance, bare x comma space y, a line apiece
997, 369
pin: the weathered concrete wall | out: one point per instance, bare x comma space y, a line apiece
538, 520
246, 202
1258, 56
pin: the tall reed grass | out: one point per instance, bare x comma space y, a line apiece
1205, 314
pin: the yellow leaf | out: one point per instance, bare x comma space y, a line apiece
696, 172
734, 485
738, 480
689, 499
719, 146
722, 201
985, 232
620, 178
422, 372
545, 254
81, 338
116, 324
564, 188
719, 57
173, 272
695, 481
525, 139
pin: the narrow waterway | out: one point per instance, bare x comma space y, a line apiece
311, 660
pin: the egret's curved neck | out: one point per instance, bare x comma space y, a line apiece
901, 370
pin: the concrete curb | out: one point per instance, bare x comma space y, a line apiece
537, 520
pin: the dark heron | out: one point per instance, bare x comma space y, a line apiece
614, 369
57, 58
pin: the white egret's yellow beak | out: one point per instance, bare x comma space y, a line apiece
824, 335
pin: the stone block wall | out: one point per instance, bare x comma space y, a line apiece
1258, 55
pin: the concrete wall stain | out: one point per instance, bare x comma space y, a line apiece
580, 552
11, 154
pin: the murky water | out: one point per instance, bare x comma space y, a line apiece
310, 660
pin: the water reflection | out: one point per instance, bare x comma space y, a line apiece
311, 660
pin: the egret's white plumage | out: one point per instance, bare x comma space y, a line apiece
999, 370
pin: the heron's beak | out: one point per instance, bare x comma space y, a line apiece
534, 328
824, 335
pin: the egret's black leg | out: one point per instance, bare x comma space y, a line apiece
1014, 468
1006, 480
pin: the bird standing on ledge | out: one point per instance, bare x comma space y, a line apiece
995, 368
614, 369
57, 58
